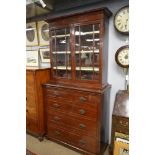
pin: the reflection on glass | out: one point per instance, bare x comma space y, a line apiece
87, 42
86, 75
61, 53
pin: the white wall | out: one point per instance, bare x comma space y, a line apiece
116, 76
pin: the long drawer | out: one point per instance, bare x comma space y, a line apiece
72, 109
58, 105
76, 97
87, 105
83, 142
72, 124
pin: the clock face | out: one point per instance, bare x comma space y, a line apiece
122, 56
121, 20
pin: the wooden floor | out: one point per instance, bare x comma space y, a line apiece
47, 147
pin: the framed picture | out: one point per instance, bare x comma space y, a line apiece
31, 34
43, 33
45, 55
32, 58
121, 148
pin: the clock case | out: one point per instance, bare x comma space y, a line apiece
116, 56
126, 33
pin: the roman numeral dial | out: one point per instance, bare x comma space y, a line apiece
121, 20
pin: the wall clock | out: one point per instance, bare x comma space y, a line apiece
122, 56
121, 20
43, 32
31, 34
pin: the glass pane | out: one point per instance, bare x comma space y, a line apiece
96, 75
87, 51
61, 59
86, 75
61, 54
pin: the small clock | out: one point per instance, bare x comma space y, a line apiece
122, 56
121, 20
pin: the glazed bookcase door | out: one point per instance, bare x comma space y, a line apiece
87, 43
61, 53
76, 55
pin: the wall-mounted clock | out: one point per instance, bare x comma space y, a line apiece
122, 56
121, 20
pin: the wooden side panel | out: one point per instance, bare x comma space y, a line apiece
42, 76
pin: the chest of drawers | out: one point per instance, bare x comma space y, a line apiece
35, 77
74, 117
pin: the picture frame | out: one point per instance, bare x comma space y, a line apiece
45, 55
31, 34
32, 58
121, 148
43, 33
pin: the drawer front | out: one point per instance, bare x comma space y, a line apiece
83, 142
72, 124
59, 103
53, 104
79, 98
83, 112
58, 93
31, 125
